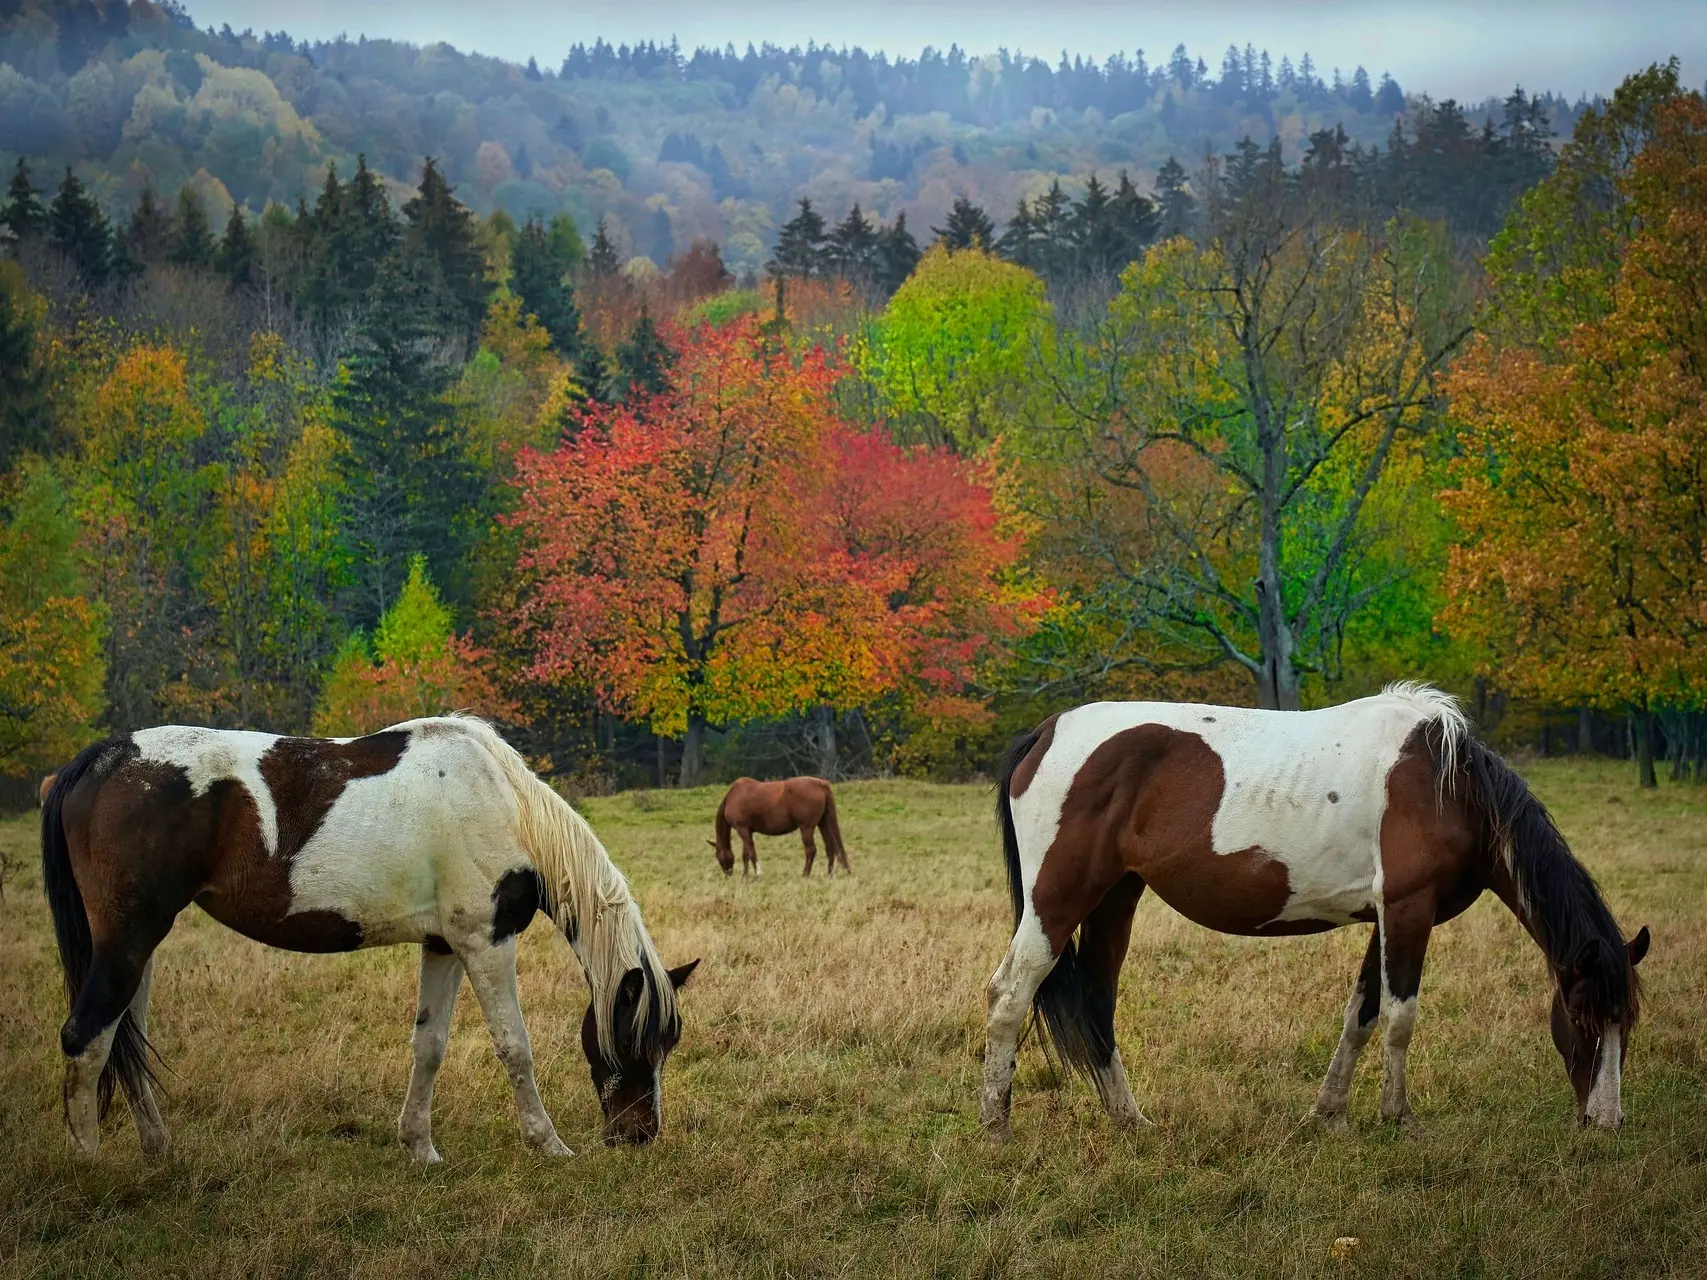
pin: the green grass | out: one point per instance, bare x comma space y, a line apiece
821, 1112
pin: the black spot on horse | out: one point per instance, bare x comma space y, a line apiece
1333, 797
422, 1017
1208, 719
515, 898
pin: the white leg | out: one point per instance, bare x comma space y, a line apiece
1116, 1093
1400, 1016
441, 980
150, 1128
492, 974
82, 1105
1362, 1011
1027, 963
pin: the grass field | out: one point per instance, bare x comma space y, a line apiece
821, 1113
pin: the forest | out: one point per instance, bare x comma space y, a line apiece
291, 440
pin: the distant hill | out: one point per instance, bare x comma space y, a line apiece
667, 145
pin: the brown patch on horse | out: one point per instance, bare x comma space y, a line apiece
1145, 801
1430, 844
1026, 770
248, 888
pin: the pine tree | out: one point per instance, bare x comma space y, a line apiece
532, 71
851, 251
897, 254
439, 229
23, 214
192, 238
347, 239
235, 257
602, 258
1176, 206
78, 229
25, 419
1135, 221
643, 362
800, 246
148, 238
1019, 240
538, 277
968, 225
407, 476
1389, 98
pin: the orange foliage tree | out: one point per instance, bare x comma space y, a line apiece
705, 557
1582, 489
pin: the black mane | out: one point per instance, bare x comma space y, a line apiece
1560, 901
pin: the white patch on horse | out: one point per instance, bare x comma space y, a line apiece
1605, 1107
208, 756
1309, 788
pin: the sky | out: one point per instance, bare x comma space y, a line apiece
1447, 48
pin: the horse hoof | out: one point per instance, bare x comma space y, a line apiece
999, 1135
1133, 1120
1404, 1121
1332, 1121
555, 1148
156, 1148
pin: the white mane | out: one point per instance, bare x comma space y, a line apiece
586, 896
1442, 708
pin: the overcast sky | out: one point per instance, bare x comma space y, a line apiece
1448, 48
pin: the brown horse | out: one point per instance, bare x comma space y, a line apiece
434, 832
775, 809
1382, 811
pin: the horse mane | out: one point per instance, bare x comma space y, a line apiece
1448, 726
589, 900
1559, 900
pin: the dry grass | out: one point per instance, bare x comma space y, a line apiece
821, 1113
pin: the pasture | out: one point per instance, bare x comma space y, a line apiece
821, 1113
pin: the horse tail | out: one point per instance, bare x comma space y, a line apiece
1558, 899
128, 1060
1077, 1016
832, 828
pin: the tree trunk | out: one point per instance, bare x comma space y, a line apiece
1277, 683
693, 751
821, 733
1640, 724
1585, 732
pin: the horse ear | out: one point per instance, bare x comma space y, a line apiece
712, 843
681, 973
1585, 962
1638, 946
632, 984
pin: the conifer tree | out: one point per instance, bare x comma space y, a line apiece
235, 257
78, 229
897, 254
800, 246
968, 225
1177, 208
539, 277
23, 214
851, 250
148, 238
1019, 240
192, 238
643, 362
602, 258
439, 229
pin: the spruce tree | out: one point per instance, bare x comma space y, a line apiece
25, 418
897, 254
851, 251
235, 257
78, 229
538, 277
192, 238
439, 229
148, 238
602, 258
23, 214
968, 225
1176, 206
800, 246
643, 362
1018, 242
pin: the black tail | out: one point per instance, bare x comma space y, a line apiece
1561, 903
129, 1058
1078, 1018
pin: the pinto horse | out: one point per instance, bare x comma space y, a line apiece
1381, 811
433, 832
775, 809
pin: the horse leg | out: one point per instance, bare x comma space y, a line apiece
1103, 939
1362, 1011
87, 1037
441, 981
812, 850
1027, 963
492, 974
150, 1127
1404, 929
749, 851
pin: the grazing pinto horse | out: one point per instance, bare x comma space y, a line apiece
775, 809
1383, 810
433, 832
